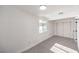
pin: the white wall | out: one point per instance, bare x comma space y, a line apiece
19, 30
64, 27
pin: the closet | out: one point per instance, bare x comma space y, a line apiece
64, 27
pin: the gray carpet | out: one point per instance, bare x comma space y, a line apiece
44, 47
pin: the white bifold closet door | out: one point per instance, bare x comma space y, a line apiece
64, 29
60, 29
68, 29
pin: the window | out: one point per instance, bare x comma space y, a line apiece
42, 26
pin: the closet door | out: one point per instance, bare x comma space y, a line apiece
67, 29
75, 29
60, 28
78, 33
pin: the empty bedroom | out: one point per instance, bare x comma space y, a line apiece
39, 28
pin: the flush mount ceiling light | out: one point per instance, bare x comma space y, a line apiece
43, 7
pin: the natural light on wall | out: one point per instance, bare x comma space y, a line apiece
42, 26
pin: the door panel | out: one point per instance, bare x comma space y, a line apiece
67, 29
60, 29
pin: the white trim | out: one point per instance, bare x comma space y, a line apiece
25, 49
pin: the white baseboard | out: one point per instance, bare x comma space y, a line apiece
64, 36
33, 45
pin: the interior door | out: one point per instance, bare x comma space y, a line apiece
75, 29
78, 33
60, 29
67, 29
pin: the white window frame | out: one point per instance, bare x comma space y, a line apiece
43, 26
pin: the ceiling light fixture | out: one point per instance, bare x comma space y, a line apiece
43, 7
